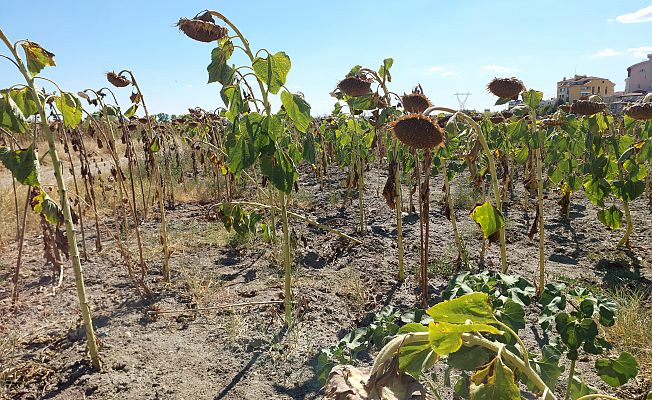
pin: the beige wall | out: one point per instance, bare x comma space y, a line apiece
639, 76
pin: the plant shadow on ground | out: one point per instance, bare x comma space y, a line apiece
243, 372
621, 270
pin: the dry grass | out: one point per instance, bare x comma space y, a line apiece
633, 329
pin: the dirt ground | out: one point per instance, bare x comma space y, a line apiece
244, 352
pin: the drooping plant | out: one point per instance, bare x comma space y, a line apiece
152, 146
422, 134
24, 163
256, 138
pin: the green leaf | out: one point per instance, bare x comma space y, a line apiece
628, 190
23, 99
43, 204
616, 372
416, 357
37, 57
242, 155
297, 109
412, 327
11, 117
218, 69
488, 217
131, 111
383, 72
611, 217
469, 358
280, 170
273, 70
495, 381
532, 98
367, 101
309, 148
596, 190
155, 146
547, 366
512, 314
232, 97
446, 338
502, 100
71, 109
474, 307
578, 388
606, 310
23, 164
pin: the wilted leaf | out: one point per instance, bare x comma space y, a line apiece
37, 57
218, 69
495, 381
474, 307
11, 117
488, 217
611, 217
71, 109
446, 338
23, 164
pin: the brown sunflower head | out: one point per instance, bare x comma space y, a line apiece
418, 131
640, 111
497, 118
355, 86
507, 114
202, 28
506, 88
132, 127
586, 107
117, 80
415, 102
565, 107
550, 122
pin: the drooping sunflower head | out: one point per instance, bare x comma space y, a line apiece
202, 28
117, 80
587, 107
418, 131
506, 88
415, 102
354, 86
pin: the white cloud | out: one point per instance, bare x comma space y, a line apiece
440, 70
610, 20
640, 52
189, 86
638, 16
607, 52
499, 69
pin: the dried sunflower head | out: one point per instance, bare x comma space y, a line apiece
640, 111
117, 80
507, 114
586, 107
506, 88
202, 28
418, 131
355, 86
415, 102
565, 107
497, 118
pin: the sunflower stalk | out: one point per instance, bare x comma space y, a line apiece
65, 207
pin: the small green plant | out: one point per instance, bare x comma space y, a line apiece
475, 331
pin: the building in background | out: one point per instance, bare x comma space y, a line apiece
639, 77
570, 90
620, 100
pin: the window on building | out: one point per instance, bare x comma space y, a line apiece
599, 90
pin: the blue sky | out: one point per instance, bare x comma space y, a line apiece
447, 47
